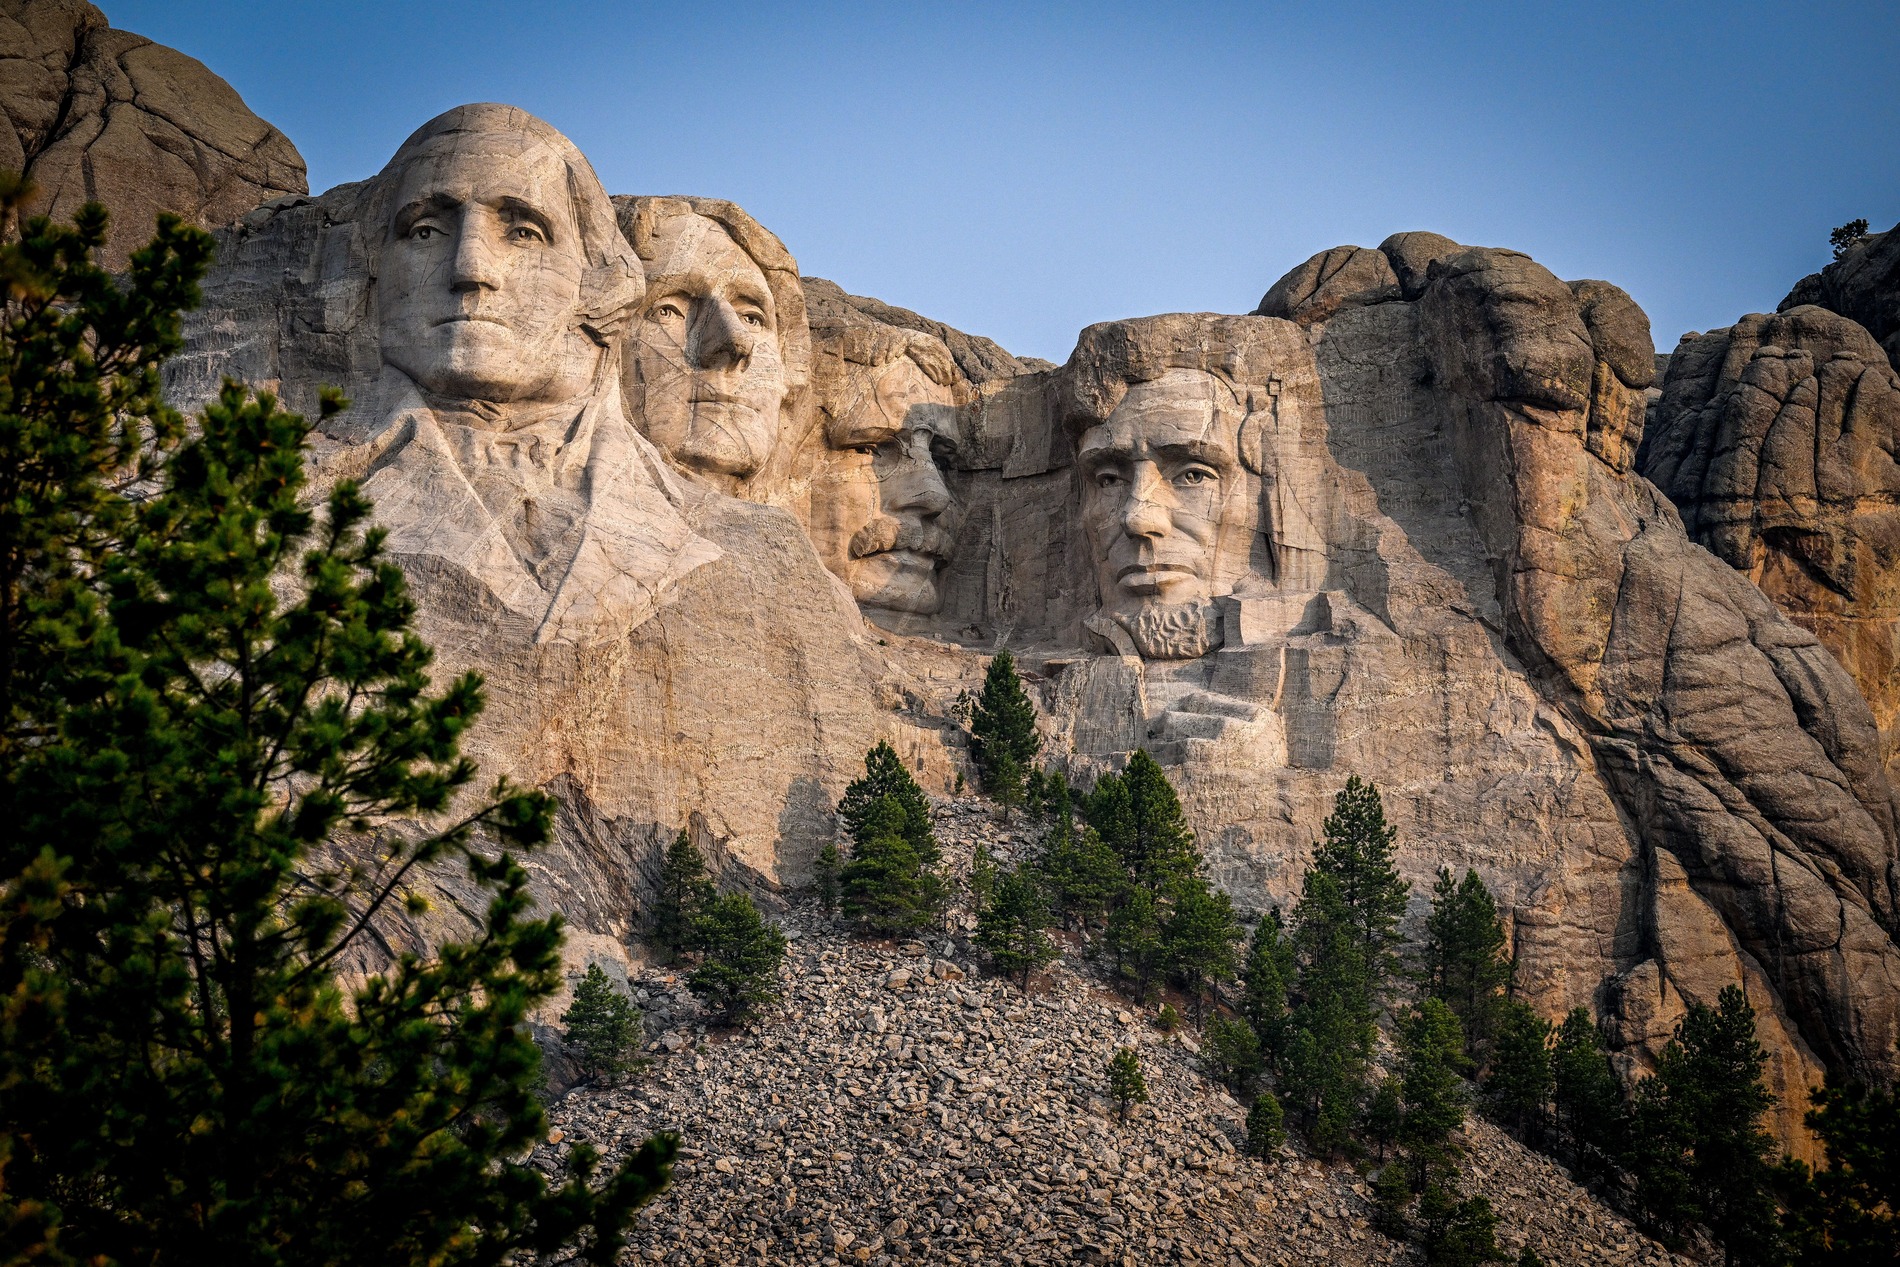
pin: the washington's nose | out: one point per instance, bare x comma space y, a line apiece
474, 265
720, 339
1146, 513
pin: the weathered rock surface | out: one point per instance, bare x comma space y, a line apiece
896, 1107
1863, 286
103, 115
980, 360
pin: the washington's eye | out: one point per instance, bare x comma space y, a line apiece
423, 232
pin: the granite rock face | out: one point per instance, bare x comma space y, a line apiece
1863, 286
103, 115
1389, 525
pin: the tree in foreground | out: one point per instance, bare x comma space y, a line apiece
1517, 1086
1003, 738
1586, 1097
1083, 874
1357, 852
1699, 1153
601, 1028
1232, 1052
886, 887
1431, 1051
1138, 816
685, 889
825, 874
1331, 1028
886, 779
1012, 924
1466, 955
1265, 977
1266, 1127
1848, 1213
738, 973
1457, 1231
1126, 1085
1201, 938
209, 697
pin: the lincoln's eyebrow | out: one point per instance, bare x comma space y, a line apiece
1197, 451
516, 209
429, 204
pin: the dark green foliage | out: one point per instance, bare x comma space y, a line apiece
1385, 1113
1200, 938
983, 876
1126, 1085
1138, 816
1586, 1097
885, 778
1083, 874
1466, 957
1012, 924
684, 892
1848, 236
825, 877
1266, 1127
1167, 1020
1266, 976
1517, 1086
1003, 738
1134, 940
1699, 1154
738, 973
1528, 1257
1431, 1052
209, 697
601, 1028
1357, 853
1456, 1232
886, 886
1232, 1053
1330, 1029
1847, 1214
1391, 1198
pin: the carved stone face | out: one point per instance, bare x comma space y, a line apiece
882, 516
479, 280
706, 372
1162, 486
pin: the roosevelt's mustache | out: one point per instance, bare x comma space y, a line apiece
885, 533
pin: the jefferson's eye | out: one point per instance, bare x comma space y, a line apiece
1196, 475
753, 319
526, 233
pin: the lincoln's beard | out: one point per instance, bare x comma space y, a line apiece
1172, 631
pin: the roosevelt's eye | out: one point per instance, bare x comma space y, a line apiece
865, 450
668, 311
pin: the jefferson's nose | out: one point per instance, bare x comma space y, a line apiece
475, 265
1147, 512
720, 339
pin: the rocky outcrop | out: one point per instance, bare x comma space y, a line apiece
979, 359
106, 116
1863, 285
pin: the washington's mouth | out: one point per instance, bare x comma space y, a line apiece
916, 558
469, 316
1153, 569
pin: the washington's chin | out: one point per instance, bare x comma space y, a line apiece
898, 581
480, 361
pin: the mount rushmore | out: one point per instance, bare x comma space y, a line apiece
1621, 640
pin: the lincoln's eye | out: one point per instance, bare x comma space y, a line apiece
1107, 479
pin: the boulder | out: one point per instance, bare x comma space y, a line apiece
1863, 285
103, 115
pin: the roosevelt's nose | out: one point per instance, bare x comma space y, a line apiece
1146, 513
720, 338
916, 485
475, 266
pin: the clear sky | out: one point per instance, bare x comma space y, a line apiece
1022, 170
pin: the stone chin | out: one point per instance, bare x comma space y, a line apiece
897, 581
1160, 631
723, 438
480, 360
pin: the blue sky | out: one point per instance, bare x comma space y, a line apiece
1022, 170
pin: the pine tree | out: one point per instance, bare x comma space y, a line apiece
1138, 815
1232, 1053
1357, 853
1331, 1028
1004, 783
1701, 1154
885, 778
1266, 976
739, 973
1456, 1232
1200, 938
1586, 1097
1391, 1199
1003, 738
1084, 876
825, 877
601, 1028
1385, 1113
208, 695
1848, 1213
683, 893
1431, 1051
1134, 940
885, 886
1011, 925
1466, 954
1266, 1127
1517, 1086
1126, 1085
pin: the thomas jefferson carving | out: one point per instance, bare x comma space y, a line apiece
507, 465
